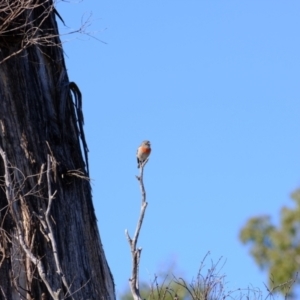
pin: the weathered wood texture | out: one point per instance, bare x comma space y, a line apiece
36, 108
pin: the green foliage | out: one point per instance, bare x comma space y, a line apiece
276, 248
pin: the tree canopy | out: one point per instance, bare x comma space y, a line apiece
276, 248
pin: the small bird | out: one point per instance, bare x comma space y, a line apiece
143, 152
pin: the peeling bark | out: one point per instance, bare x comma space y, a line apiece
38, 117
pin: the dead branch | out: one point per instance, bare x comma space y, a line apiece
136, 252
10, 195
13, 193
50, 229
23, 23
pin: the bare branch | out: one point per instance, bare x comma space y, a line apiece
21, 27
20, 235
136, 252
49, 225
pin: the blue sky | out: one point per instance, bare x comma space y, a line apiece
214, 85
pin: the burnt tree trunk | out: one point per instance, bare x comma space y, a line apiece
40, 121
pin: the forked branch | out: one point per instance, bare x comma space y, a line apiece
136, 252
12, 194
11, 197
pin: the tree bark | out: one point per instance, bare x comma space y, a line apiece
40, 122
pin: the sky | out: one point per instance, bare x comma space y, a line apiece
214, 85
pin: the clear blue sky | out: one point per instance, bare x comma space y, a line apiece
214, 85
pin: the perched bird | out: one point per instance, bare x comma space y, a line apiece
143, 152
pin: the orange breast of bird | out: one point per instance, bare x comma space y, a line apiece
146, 150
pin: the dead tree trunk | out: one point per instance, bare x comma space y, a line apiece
50, 246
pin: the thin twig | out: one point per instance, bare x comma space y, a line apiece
30, 29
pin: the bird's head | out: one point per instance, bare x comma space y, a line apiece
146, 143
